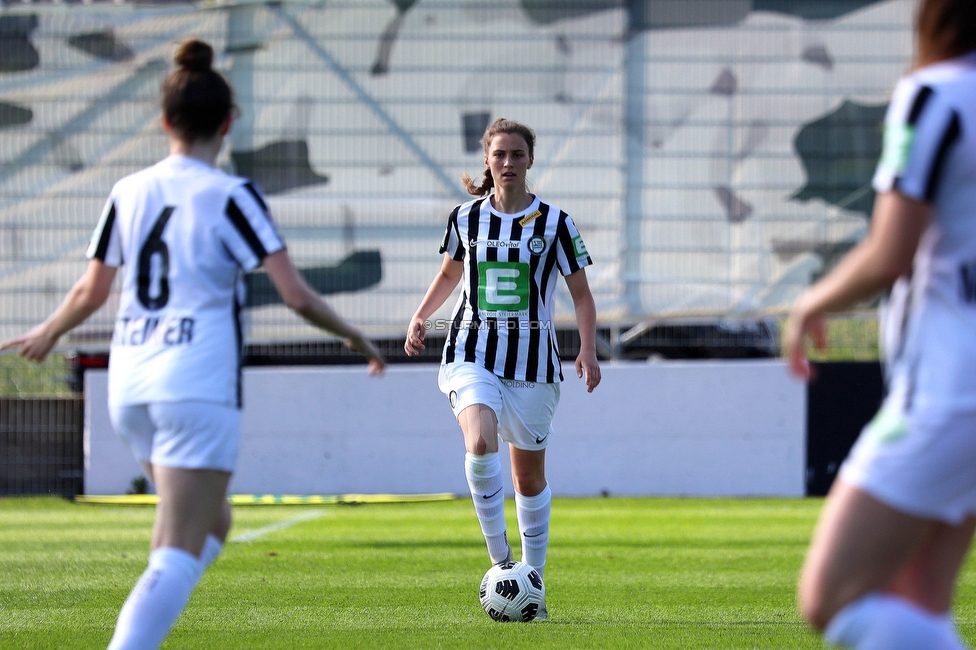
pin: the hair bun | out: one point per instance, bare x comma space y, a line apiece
194, 55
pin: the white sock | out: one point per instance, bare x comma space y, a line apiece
156, 601
886, 622
484, 474
533, 519
211, 549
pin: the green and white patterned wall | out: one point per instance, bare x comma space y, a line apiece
716, 154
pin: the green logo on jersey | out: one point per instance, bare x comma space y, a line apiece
898, 140
579, 246
887, 426
503, 286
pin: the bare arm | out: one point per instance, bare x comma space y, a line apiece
303, 300
587, 365
440, 289
88, 294
872, 266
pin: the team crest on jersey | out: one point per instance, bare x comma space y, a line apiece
537, 245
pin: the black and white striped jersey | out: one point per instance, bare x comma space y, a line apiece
929, 332
503, 319
184, 232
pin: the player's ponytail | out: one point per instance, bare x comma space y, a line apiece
196, 99
501, 125
478, 190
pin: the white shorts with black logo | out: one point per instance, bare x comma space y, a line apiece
922, 463
187, 435
523, 409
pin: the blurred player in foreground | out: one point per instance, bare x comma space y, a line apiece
500, 368
899, 519
185, 232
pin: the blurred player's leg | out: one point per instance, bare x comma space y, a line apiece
214, 543
854, 551
866, 580
928, 578
156, 601
886, 622
191, 503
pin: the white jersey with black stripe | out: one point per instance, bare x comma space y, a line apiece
503, 319
184, 232
929, 323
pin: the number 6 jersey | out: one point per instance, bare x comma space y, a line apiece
184, 232
503, 319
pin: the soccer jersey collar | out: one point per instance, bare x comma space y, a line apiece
527, 211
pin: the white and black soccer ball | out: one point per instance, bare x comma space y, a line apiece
512, 591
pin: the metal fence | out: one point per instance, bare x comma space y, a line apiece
41, 446
715, 154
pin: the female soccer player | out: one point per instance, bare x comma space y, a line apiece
500, 367
185, 231
899, 519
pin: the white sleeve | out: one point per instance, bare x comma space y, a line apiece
571, 253
249, 232
106, 245
920, 129
452, 238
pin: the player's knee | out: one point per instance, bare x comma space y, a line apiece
480, 446
479, 441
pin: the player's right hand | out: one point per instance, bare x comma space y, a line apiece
416, 333
34, 345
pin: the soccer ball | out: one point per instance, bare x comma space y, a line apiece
512, 591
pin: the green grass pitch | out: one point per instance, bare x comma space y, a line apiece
622, 573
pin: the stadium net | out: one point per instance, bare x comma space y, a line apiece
715, 154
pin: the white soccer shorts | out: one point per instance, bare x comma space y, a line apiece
187, 435
524, 409
923, 463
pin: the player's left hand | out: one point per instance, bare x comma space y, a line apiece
588, 368
361, 344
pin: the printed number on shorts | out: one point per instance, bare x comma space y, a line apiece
154, 265
503, 287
